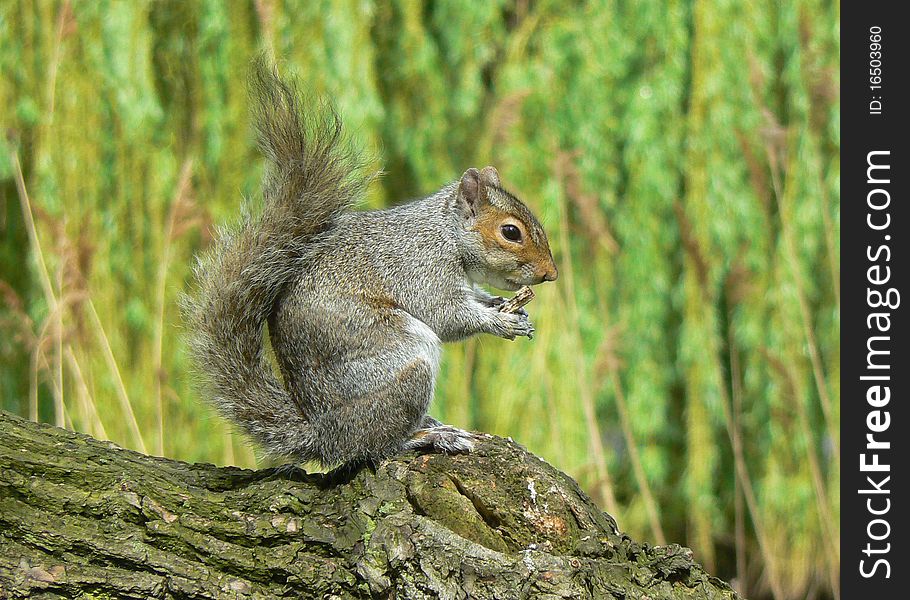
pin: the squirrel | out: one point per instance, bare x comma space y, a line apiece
357, 302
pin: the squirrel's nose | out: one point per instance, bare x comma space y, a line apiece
551, 275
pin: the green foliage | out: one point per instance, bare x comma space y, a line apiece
683, 156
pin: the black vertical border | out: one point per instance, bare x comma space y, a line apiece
861, 133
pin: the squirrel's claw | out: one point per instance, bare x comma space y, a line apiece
513, 325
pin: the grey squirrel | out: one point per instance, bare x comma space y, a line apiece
357, 302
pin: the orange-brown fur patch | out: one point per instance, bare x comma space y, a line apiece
379, 301
409, 369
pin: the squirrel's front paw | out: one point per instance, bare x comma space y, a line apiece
443, 438
512, 325
497, 301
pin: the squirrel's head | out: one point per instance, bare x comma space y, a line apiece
503, 244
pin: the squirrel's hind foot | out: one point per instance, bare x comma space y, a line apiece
441, 438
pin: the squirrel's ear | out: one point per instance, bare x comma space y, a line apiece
471, 194
490, 176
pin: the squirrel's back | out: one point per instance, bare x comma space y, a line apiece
385, 248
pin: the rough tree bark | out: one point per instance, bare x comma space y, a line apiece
80, 517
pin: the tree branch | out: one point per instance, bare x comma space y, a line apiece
79, 516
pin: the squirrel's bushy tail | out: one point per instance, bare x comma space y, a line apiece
313, 176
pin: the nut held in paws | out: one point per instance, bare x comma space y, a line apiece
521, 298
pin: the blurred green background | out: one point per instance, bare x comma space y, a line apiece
682, 155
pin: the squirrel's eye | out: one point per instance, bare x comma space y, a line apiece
511, 233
